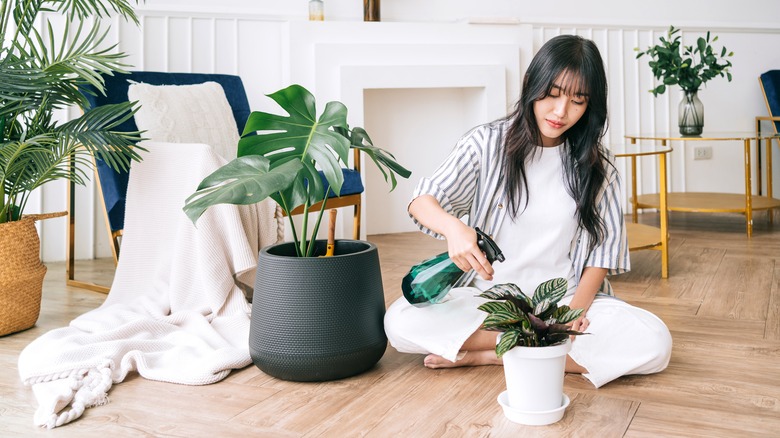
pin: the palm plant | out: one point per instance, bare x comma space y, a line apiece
280, 157
531, 322
41, 73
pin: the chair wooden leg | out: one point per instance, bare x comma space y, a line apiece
115, 245
356, 225
70, 255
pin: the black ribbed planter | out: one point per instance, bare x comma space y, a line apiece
318, 318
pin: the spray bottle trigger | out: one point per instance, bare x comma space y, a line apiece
489, 247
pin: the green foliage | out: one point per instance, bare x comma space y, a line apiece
40, 73
532, 322
280, 157
687, 66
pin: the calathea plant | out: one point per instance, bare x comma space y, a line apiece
281, 156
531, 322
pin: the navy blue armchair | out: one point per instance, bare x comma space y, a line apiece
112, 185
770, 87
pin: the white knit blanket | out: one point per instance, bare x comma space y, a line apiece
175, 312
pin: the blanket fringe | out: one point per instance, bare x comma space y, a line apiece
89, 389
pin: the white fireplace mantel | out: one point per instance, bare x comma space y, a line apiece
314, 52
345, 61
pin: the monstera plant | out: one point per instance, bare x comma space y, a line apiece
280, 156
531, 322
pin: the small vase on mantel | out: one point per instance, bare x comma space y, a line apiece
371, 10
691, 114
316, 10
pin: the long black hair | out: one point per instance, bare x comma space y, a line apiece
576, 63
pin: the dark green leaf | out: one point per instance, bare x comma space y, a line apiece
701, 43
542, 306
495, 306
500, 318
502, 291
551, 290
245, 180
564, 314
383, 159
508, 341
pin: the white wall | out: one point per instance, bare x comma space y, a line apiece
248, 37
708, 13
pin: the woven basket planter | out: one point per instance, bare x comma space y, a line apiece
318, 318
21, 273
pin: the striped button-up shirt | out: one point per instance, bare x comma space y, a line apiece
470, 185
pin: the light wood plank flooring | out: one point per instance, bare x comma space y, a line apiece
721, 302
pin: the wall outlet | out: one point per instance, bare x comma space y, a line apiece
702, 153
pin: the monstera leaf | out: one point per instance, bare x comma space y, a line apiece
300, 136
384, 160
243, 181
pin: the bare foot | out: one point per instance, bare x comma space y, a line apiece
470, 359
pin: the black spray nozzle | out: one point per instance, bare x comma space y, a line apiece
489, 247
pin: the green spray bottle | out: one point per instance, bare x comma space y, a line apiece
431, 280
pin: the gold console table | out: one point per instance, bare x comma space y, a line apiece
641, 236
745, 203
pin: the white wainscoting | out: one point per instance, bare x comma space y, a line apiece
270, 53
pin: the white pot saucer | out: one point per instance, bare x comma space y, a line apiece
538, 418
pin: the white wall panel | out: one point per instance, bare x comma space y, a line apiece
202, 45
180, 44
226, 46
259, 61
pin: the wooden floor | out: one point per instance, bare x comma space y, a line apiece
721, 303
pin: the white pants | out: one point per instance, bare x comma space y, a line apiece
622, 339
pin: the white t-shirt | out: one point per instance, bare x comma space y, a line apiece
537, 242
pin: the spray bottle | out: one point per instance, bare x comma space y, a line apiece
431, 280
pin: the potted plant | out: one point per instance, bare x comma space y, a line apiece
533, 345
313, 318
690, 67
38, 76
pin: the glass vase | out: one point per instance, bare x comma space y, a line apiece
316, 10
691, 114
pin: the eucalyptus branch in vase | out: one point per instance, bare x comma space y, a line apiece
689, 67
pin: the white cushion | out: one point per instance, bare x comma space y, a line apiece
186, 114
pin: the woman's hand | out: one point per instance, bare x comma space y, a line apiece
464, 251
461, 238
591, 280
580, 324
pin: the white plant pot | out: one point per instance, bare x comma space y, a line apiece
534, 381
